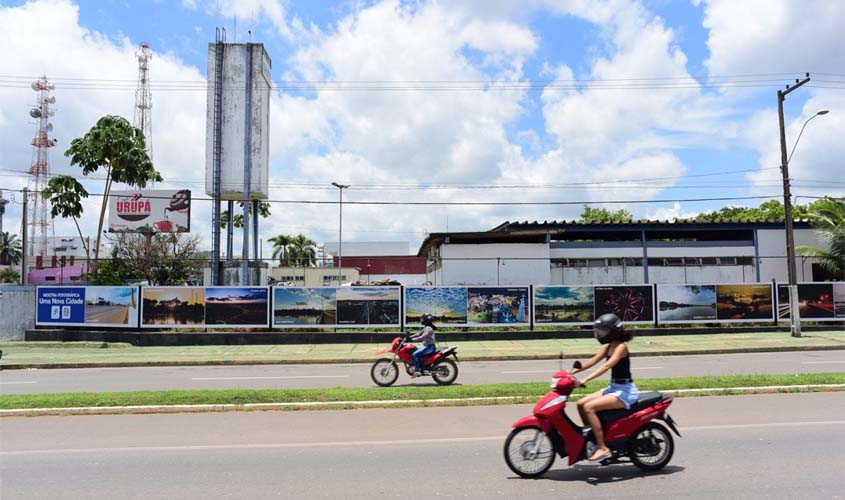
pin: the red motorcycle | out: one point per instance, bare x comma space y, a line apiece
385, 371
632, 435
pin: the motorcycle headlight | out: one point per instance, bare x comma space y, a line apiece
555, 380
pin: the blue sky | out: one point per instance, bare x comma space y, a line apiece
558, 132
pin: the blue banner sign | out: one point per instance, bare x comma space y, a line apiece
60, 306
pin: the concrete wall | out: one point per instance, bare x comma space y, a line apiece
772, 244
495, 264
368, 248
17, 311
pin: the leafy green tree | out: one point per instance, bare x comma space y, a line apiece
263, 211
10, 249
281, 243
591, 214
65, 194
114, 145
828, 216
303, 251
9, 275
768, 210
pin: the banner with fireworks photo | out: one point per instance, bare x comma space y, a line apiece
497, 306
563, 305
816, 301
446, 304
633, 304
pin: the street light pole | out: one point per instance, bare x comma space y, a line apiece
795, 323
340, 187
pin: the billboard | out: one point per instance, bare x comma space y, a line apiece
686, 304
497, 306
632, 303
744, 302
816, 301
447, 304
150, 211
99, 306
564, 305
359, 306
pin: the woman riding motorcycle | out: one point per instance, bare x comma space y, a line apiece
621, 393
426, 334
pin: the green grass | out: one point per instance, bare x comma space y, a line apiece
524, 391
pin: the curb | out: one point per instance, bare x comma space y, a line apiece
320, 405
518, 357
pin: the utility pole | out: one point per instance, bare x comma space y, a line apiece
24, 249
794, 320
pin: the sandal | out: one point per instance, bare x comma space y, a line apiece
601, 457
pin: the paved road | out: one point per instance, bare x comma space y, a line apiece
107, 314
774, 446
356, 375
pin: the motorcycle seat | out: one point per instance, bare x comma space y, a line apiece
646, 399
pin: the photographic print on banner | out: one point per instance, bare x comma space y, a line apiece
564, 305
101, 306
686, 304
368, 306
447, 304
304, 306
173, 307
497, 306
632, 303
744, 302
236, 306
824, 301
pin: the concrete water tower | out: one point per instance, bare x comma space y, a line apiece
237, 149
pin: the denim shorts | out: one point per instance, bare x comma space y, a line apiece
627, 393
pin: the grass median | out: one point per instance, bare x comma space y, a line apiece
455, 395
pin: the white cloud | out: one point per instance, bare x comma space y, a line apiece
774, 36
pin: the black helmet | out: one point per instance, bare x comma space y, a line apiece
427, 319
608, 327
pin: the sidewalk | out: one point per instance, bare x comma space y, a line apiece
18, 355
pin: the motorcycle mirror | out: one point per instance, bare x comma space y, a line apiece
576, 365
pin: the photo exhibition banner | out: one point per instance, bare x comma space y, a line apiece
333, 307
816, 301
95, 306
564, 305
204, 307
729, 303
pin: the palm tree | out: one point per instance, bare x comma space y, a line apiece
280, 248
10, 249
303, 250
828, 216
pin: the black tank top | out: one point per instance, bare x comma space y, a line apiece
622, 369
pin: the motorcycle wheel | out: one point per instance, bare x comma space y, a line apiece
384, 372
529, 452
652, 447
445, 372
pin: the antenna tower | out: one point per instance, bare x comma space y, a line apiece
39, 170
143, 97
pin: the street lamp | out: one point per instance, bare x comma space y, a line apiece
340, 187
818, 113
795, 323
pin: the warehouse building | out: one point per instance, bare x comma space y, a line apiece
578, 253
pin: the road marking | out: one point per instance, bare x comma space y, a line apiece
270, 378
821, 362
10, 383
396, 442
549, 371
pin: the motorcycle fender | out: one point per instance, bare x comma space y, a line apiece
533, 421
670, 422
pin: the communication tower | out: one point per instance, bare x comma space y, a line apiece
143, 96
39, 171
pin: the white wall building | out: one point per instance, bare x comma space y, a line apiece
574, 253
